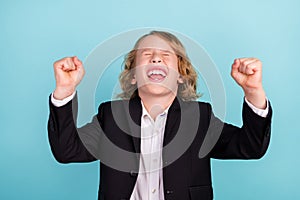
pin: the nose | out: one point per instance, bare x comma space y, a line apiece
155, 58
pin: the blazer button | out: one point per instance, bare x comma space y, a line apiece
133, 173
169, 191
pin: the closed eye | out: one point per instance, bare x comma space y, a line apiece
147, 53
165, 53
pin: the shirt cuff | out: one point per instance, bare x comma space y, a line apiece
258, 111
60, 103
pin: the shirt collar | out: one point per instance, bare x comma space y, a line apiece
145, 112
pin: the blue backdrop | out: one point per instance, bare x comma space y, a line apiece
36, 33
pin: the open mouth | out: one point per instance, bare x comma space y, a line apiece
157, 73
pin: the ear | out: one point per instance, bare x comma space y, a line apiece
133, 80
180, 80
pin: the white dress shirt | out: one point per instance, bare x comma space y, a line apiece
149, 184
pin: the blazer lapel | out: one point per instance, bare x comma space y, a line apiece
173, 121
134, 121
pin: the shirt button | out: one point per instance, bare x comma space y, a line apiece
133, 173
153, 191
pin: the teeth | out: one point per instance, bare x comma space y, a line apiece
156, 72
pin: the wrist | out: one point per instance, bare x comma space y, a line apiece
61, 93
257, 97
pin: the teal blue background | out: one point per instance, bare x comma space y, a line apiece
36, 33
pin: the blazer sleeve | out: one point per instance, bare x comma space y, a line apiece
251, 141
64, 139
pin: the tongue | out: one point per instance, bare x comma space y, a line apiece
156, 77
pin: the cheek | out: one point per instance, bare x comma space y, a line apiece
140, 61
174, 65
173, 62
140, 75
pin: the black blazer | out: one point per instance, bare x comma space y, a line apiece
186, 174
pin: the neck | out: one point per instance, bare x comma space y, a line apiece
156, 104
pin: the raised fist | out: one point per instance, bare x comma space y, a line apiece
68, 72
247, 72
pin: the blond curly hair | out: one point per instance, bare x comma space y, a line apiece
187, 90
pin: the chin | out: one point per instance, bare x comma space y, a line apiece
156, 90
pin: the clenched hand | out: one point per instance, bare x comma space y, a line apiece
68, 72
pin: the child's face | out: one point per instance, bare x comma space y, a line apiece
156, 67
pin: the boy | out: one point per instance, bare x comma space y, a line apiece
158, 107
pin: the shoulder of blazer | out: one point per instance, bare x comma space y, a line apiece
205, 112
204, 107
132, 106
